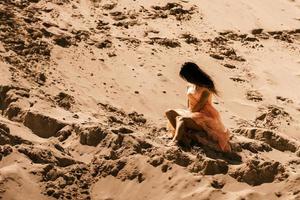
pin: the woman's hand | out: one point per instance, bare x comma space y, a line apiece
201, 102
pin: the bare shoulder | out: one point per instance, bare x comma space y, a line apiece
191, 89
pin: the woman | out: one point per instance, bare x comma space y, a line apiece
201, 115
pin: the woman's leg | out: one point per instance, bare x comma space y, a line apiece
212, 126
171, 116
182, 126
185, 124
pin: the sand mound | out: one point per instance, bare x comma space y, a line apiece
43, 126
272, 138
44, 156
91, 135
118, 144
255, 172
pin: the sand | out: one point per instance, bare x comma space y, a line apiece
84, 85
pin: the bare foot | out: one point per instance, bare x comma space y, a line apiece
172, 143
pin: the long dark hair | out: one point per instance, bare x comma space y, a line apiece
192, 73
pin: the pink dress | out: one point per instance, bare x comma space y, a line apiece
208, 118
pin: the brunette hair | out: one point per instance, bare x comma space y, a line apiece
192, 73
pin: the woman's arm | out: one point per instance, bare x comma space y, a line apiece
190, 91
202, 101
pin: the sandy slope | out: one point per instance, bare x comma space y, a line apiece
76, 74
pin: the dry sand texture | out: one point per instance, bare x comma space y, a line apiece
84, 84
